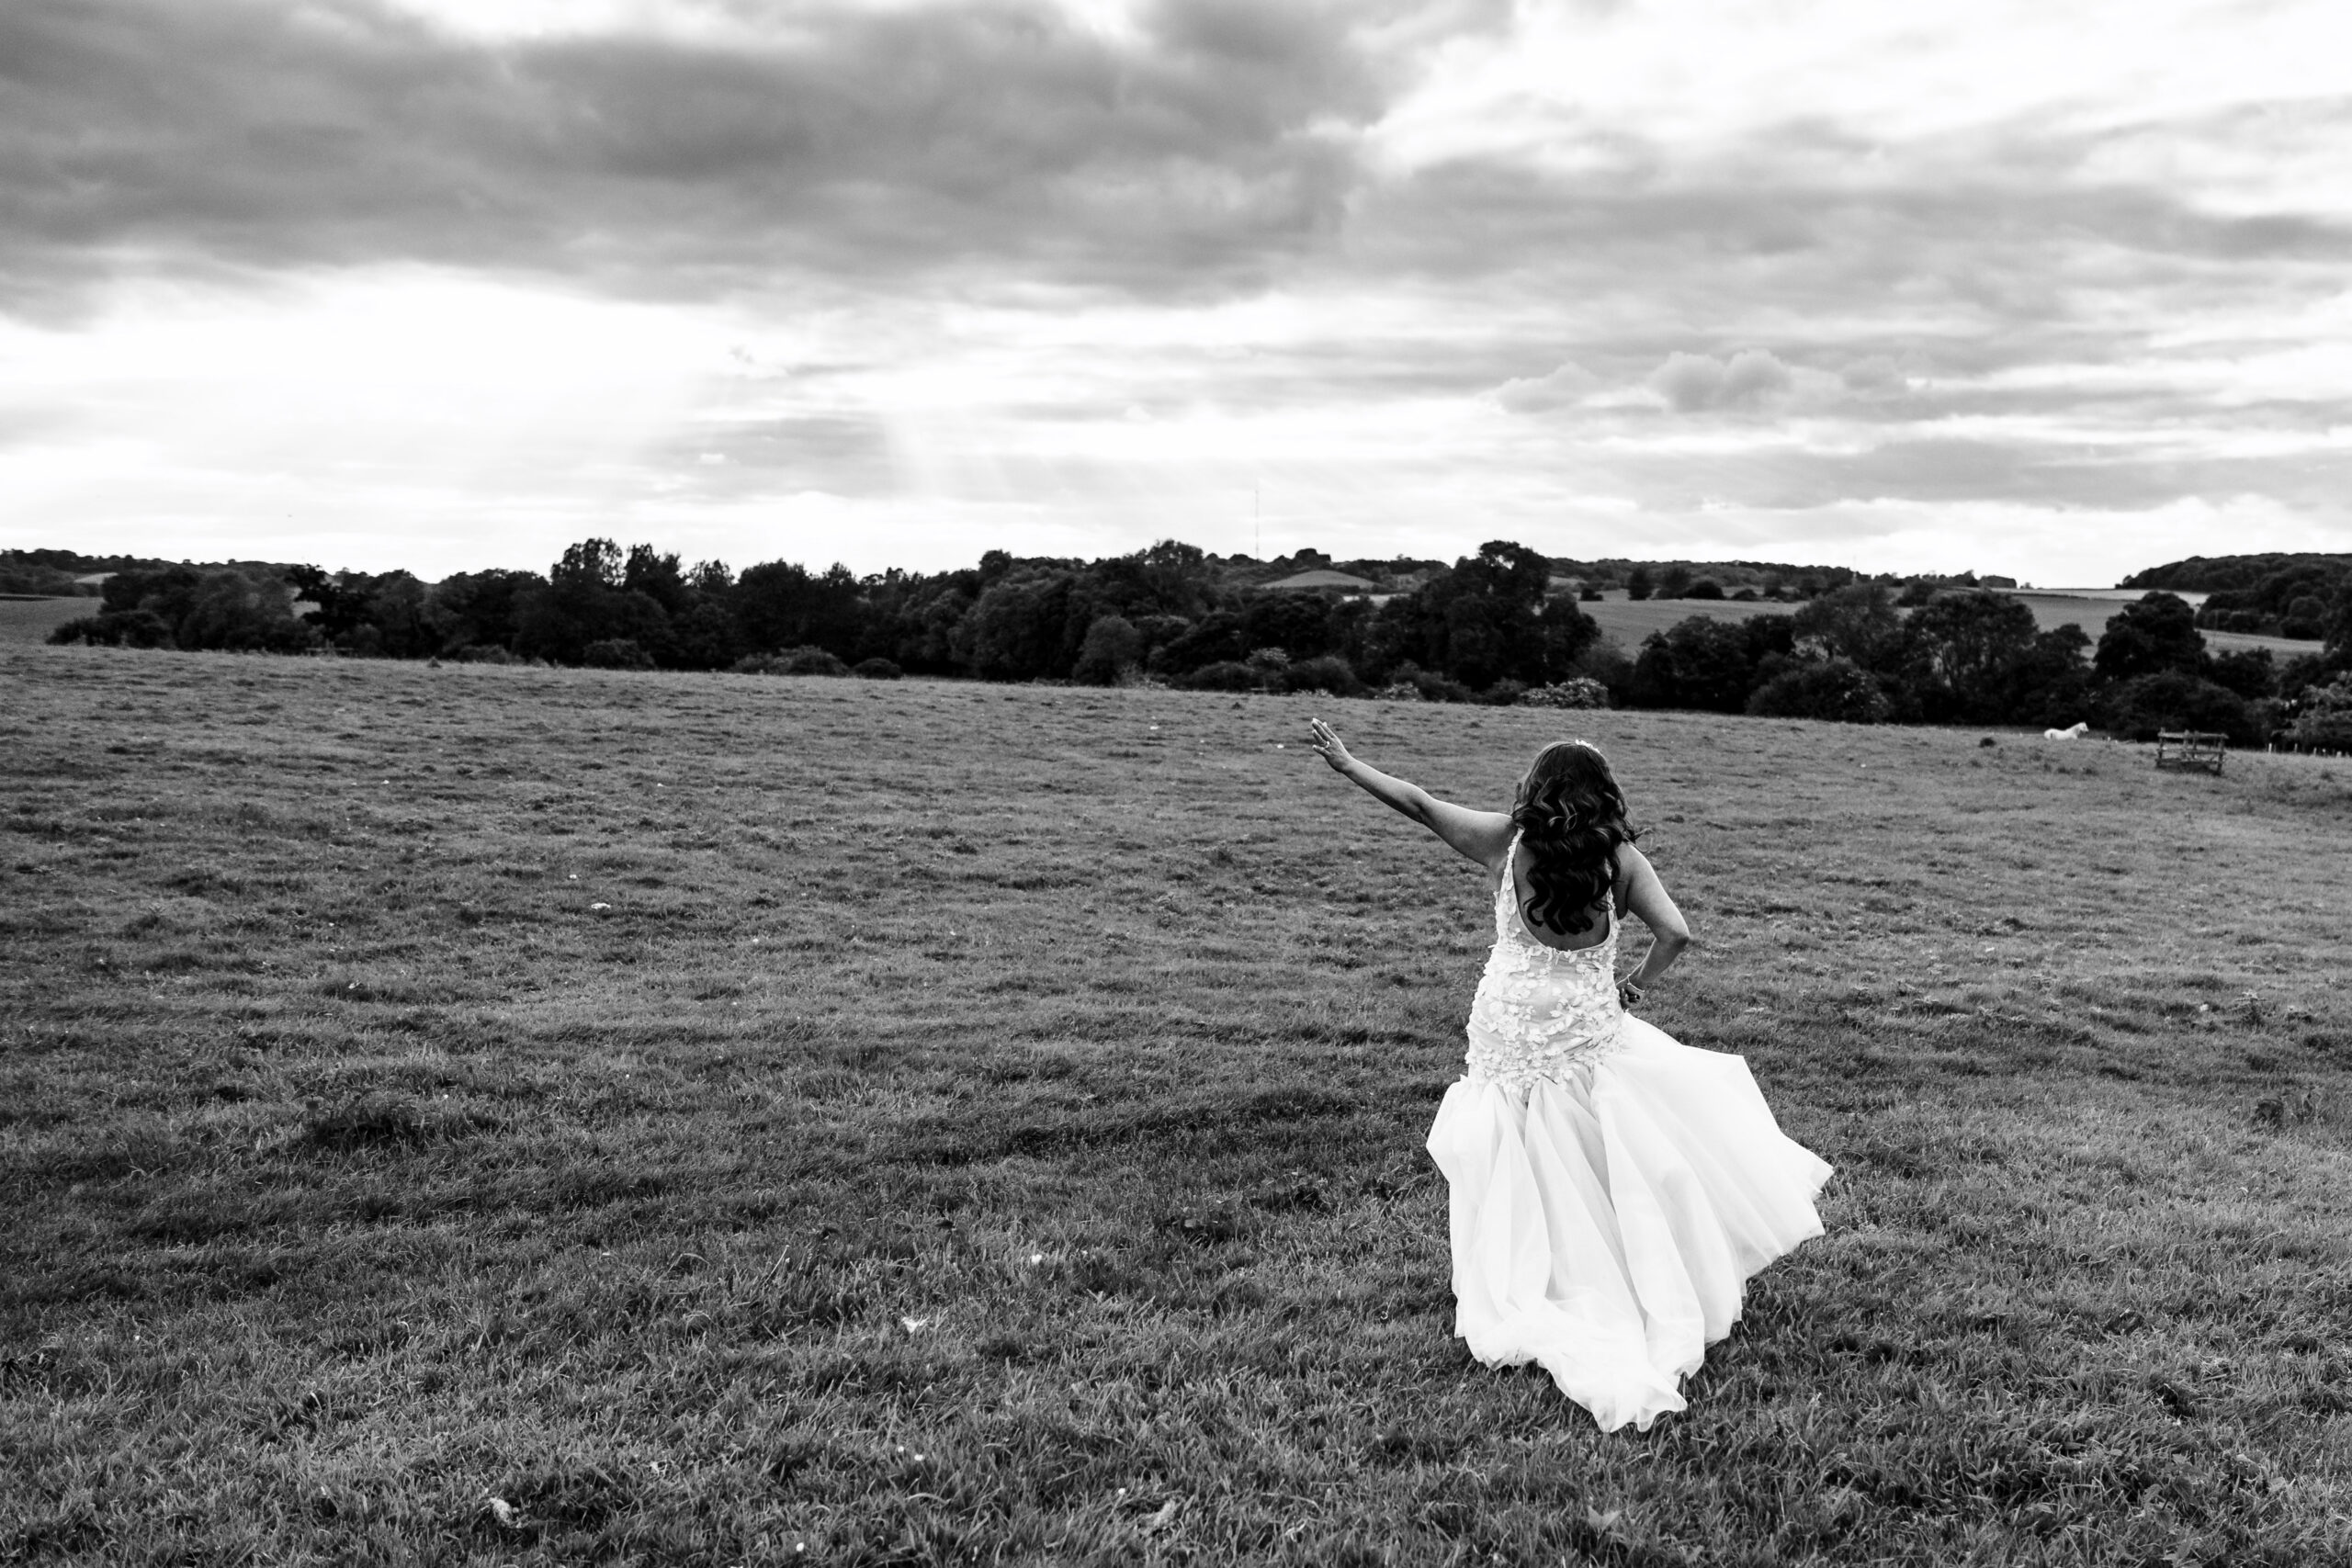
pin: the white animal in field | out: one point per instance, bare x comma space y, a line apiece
2071, 732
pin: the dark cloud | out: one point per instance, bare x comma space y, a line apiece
1953, 470
1750, 378
144, 134
2008, 236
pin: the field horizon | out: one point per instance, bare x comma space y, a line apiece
1628, 621
474, 1113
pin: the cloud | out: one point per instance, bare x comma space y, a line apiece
835, 454
1874, 376
455, 258
1571, 383
1693, 383
849, 142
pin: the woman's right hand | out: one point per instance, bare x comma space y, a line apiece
1328, 745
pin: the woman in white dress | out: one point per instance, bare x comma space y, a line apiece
1611, 1189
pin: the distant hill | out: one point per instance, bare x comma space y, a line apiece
55, 572
2222, 574
2279, 595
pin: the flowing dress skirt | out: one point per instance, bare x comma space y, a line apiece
1604, 1221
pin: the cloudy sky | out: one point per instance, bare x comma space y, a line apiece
2059, 290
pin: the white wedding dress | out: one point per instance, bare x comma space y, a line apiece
1613, 1190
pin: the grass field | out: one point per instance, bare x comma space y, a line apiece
1629, 621
31, 620
508, 1115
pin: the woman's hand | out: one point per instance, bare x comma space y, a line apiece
1328, 745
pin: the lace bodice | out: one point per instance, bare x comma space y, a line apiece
1540, 1011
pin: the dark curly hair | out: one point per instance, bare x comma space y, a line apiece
1571, 816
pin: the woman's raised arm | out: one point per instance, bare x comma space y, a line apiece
1481, 836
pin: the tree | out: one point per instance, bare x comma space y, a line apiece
400, 612
1017, 628
2175, 699
1217, 638
1168, 579
2051, 684
1836, 689
1639, 583
1112, 647
1857, 623
585, 601
1486, 620
1963, 647
1673, 583
2251, 672
340, 603
479, 609
591, 562
1709, 664
1568, 635
2324, 718
2157, 634
657, 576
2336, 626
1299, 624
232, 608
783, 604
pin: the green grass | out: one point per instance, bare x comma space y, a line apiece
981, 1126
1629, 621
31, 620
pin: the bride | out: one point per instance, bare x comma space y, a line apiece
1613, 1190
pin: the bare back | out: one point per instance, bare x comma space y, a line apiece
1516, 865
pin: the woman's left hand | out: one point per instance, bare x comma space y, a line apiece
1328, 744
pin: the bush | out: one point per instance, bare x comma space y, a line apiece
791, 661
1399, 691
1607, 664
2172, 699
117, 628
1225, 675
1432, 688
1114, 647
616, 653
1504, 693
877, 668
1576, 692
1706, 588
1589, 596
2250, 672
2325, 723
1327, 673
1834, 689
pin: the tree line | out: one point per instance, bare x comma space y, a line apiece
1502, 626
